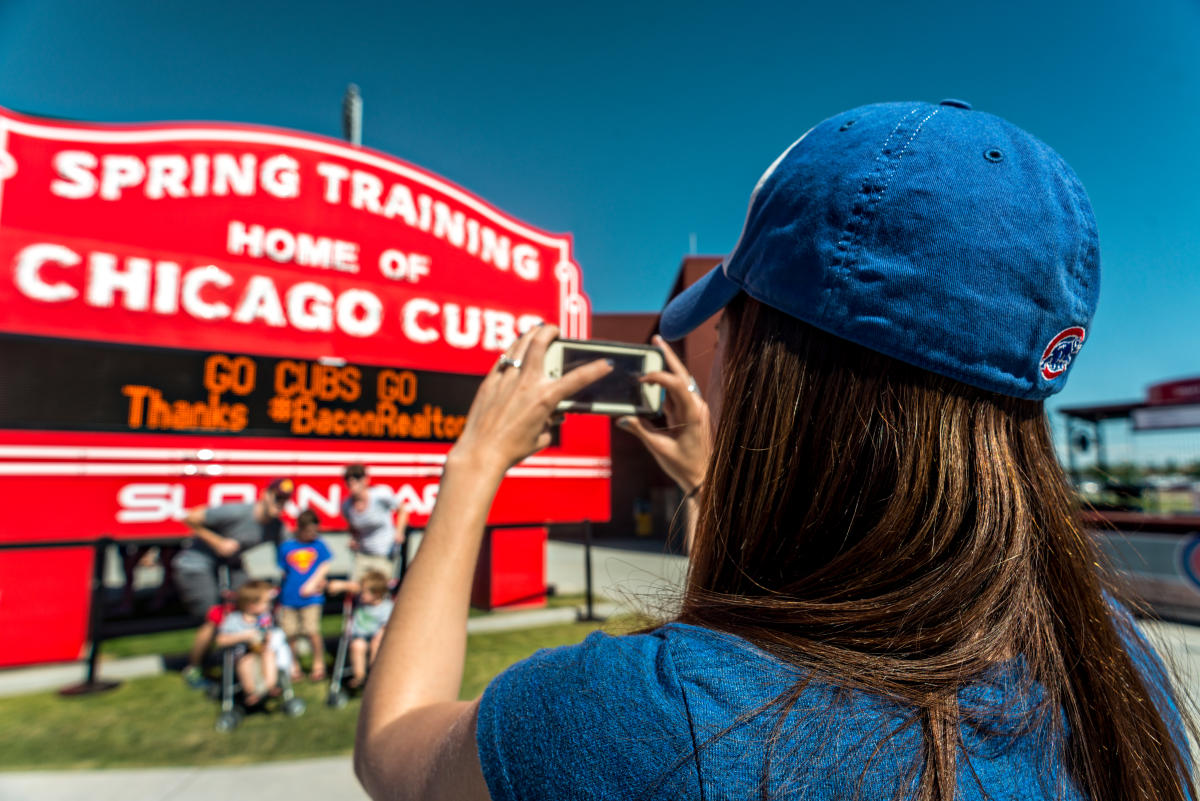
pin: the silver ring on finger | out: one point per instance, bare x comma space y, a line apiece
507, 361
692, 385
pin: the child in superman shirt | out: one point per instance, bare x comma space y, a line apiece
305, 563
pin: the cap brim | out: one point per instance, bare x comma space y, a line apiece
700, 301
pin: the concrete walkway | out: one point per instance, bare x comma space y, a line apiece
326, 778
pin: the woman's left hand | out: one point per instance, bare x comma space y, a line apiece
511, 415
683, 446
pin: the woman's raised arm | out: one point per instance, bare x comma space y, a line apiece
415, 738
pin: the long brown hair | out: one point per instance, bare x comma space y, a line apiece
900, 533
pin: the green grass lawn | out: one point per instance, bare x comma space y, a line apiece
159, 721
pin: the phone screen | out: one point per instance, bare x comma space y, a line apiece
619, 386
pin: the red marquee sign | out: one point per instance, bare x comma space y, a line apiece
190, 310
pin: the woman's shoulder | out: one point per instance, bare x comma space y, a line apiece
623, 664
558, 718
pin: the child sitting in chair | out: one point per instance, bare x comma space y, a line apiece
246, 631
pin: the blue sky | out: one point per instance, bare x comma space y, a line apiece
634, 125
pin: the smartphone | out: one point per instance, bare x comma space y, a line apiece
619, 392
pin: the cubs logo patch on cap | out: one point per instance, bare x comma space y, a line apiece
1058, 354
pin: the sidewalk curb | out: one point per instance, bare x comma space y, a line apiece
18, 681
506, 621
323, 777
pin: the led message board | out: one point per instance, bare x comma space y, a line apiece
92, 386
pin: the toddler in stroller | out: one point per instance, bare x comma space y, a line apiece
252, 652
363, 622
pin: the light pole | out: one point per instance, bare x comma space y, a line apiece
352, 116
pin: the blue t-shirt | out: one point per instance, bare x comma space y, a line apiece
299, 561
668, 714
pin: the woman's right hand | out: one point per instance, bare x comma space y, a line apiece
683, 445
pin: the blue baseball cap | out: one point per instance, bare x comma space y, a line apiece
946, 238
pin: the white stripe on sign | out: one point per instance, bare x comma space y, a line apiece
265, 470
234, 455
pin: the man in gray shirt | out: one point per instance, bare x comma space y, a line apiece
219, 536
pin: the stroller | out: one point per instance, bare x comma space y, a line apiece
229, 693
338, 695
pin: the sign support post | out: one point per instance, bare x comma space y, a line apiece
90, 683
